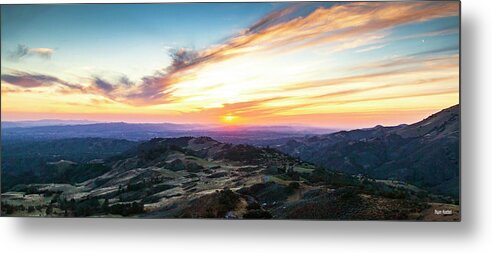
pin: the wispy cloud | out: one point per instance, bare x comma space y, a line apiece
102, 85
35, 80
22, 51
371, 48
27, 80
338, 24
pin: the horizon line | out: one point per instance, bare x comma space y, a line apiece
226, 125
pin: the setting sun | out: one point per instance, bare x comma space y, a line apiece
229, 118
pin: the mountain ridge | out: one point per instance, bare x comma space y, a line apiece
425, 153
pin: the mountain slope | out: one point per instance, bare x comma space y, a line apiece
37, 161
425, 153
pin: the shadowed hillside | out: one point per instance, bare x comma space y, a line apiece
425, 153
199, 177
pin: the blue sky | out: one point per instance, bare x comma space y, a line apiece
134, 39
106, 36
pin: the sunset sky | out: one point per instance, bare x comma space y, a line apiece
336, 65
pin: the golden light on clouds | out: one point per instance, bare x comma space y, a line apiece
325, 68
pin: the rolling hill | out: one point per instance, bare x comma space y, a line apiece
199, 177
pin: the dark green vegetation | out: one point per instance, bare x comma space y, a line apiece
199, 177
22, 155
57, 161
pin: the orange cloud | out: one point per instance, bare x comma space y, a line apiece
325, 25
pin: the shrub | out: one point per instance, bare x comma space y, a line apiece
127, 209
294, 185
228, 199
253, 206
257, 214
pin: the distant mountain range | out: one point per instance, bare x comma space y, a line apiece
44, 122
425, 153
145, 131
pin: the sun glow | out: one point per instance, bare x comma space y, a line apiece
229, 119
